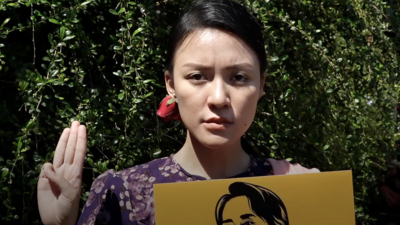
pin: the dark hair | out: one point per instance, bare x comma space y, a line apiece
225, 15
246, 146
262, 201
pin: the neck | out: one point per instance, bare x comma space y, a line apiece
200, 160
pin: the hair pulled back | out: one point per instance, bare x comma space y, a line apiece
263, 202
224, 15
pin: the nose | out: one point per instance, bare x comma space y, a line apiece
219, 96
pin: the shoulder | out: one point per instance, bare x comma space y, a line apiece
283, 167
112, 179
125, 174
120, 197
145, 168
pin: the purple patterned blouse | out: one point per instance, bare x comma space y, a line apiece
126, 197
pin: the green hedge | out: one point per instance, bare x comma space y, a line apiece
333, 81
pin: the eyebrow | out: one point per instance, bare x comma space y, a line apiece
246, 216
230, 67
228, 221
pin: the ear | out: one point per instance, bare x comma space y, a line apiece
262, 83
169, 83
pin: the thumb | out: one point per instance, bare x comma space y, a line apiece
60, 182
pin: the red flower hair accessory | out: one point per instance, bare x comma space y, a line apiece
168, 109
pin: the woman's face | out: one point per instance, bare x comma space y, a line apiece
216, 79
238, 212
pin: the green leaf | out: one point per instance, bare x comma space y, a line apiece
121, 10
19, 144
170, 101
23, 85
90, 161
72, 13
58, 82
157, 152
54, 21
54, 73
85, 3
148, 80
37, 12
5, 22
274, 58
121, 96
112, 11
68, 38
62, 32
30, 124
4, 173
288, 91
149, 94
140, 29
50, 37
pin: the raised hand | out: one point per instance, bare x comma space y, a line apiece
59, 185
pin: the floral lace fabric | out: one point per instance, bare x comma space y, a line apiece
126, 197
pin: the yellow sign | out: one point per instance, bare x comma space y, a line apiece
304, 199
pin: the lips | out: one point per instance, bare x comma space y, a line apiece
218, 120
217, 123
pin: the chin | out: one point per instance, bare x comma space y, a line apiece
213, 141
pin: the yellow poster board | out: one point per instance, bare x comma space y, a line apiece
304, 199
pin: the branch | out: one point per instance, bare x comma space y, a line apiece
33, 37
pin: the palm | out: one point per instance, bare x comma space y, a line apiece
58, 194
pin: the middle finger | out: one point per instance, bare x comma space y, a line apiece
70, 150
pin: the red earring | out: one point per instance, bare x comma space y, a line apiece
168, 109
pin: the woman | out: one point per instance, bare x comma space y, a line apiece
256, 204
216, 72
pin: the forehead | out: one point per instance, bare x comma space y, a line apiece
210, 46
236, 207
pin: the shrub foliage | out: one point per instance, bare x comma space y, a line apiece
332, 85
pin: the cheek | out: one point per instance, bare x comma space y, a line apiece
191, 106
245, 107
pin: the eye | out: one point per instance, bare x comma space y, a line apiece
197, 78
247, 222
239, 78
